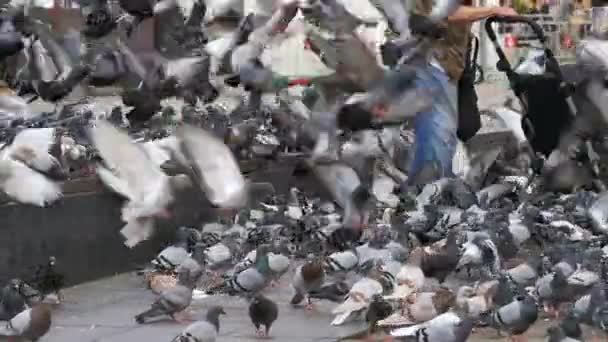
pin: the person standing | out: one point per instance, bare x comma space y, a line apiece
436, 130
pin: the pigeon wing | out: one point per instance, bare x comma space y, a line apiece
38, 141
26, 185
219, 172
146, 182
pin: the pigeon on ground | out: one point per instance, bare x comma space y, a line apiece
357, 300
48, 281
251, 280
14, 297
171, 301
439, 259
173, 256
516, 317
307, 278
568, 330
205, 330
334, 292
263, 311
31, 324
378, 310
423, 306
448, 327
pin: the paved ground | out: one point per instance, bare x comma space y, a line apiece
103, 311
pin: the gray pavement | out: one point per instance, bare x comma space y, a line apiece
103, 311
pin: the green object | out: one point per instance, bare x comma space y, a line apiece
262, 264
280, 82
310, 96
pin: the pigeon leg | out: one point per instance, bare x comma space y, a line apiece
309, 306
259, 333
551, 311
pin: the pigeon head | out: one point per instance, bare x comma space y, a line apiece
354, 117
213, 316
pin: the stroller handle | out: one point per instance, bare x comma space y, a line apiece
538, 31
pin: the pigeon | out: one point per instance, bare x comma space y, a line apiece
132, 174
251, 280
14, 297
139, 9
334, 292
99, 21
48, 281
107, 68
480, 251
263, 311
378, 310
171, 301
215, 169
25, 185
185, 7
307, 278
568, 330
205, 330
472, 303
344, 185
50, 86
516, 317
424, 306
174, 255
30, 324
447, 327
357, 299
439, 259
385, 103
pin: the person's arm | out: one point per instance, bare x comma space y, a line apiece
469, 14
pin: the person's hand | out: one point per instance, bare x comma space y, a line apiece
505, 12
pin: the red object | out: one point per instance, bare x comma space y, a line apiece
510, 41
307, 44
300, 81
567, 41
379, 110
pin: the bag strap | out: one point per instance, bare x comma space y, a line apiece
471, 64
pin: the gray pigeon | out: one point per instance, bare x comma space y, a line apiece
516, 317
205, 330
13, 298
447, 327
173, 256
171, 301
251, 280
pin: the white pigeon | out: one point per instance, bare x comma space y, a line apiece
357, 300
26, 185
132, 174
217, 171
162, 150
29, 325
31, 147
19, 163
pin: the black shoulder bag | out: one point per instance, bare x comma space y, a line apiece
469, 120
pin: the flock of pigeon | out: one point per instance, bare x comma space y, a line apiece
493, 246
